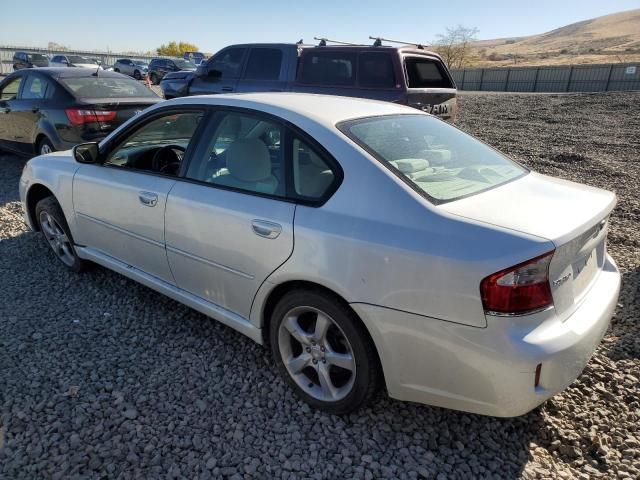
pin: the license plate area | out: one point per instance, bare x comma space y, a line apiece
584, 271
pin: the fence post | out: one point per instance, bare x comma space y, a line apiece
481, 79
535, 80
506, 82
464, 74
569, 81
606, 87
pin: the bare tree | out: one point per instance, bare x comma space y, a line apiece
455, 45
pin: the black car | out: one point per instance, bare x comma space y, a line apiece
159, 67
29, 60
50, 109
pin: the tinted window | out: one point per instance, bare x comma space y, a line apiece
328, 68
228, 62
438, 160
312, 177
57, 58
10, 90
264, 64
34, 87
375, 69
106, 87
182, 64
244, 152
426, 73
142, 149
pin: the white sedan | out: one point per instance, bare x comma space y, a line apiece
366, 243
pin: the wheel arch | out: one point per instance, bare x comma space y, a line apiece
36, 192
280, 290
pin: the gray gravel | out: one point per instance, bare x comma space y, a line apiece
101, 377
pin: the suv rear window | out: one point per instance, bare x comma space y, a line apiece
426, 73
375, 70
329, 68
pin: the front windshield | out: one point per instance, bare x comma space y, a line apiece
438, 160
36, 57
183, 64
79, 59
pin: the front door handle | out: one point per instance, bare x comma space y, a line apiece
227, 89
265, 229
148, 199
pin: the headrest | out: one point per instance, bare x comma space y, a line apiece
248, 160
437, 156
411, 165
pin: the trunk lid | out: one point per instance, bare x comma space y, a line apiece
125, 108
574, 217
436, 101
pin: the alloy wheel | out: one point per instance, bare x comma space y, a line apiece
316, 353
57, 239
45, 148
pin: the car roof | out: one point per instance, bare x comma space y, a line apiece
345, 48
66, 72
324, 109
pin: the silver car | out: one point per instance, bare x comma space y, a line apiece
134, 68
366, 243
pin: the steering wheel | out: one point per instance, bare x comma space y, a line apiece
167, 159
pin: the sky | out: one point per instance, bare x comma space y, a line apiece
135, 25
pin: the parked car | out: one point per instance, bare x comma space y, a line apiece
49, 109
363, 241
408, 75
134, 68
159, 67
74, 61
195, 57
29, 60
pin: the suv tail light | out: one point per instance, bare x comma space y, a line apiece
79, 116
519, 289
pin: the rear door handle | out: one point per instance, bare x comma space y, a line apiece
227, 89
148, 199
265, 229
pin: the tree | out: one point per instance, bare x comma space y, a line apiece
454, 46
175, 49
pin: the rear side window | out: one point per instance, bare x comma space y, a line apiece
375, 70
426, 73
228, 62
312, 177
264, 64
329, 68
34, 88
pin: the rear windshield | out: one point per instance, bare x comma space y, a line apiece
365, 69
79, 59
36, 57
105, 87
426, 73
439, 161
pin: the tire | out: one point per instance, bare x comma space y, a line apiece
137, 75
332, 388
154, 79
45, 146
116, 70
55, 230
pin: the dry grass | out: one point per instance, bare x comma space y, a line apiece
609, 39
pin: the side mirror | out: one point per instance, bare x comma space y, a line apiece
86, 152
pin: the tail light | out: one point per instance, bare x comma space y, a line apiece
519, 289
79, 116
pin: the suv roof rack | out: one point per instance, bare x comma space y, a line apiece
323, 42
378, 42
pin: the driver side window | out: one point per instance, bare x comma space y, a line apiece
159, 145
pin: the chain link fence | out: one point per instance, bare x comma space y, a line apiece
107, 58
569, 78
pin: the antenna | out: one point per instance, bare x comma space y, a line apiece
323, 42
378, 42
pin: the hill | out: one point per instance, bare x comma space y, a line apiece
608, 39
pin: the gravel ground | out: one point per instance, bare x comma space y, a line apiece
101, 377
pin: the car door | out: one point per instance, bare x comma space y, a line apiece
26, 111
265, 71
229, 224
221, 73
9, 91
120, 203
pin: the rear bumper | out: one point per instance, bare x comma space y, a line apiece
490, 371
